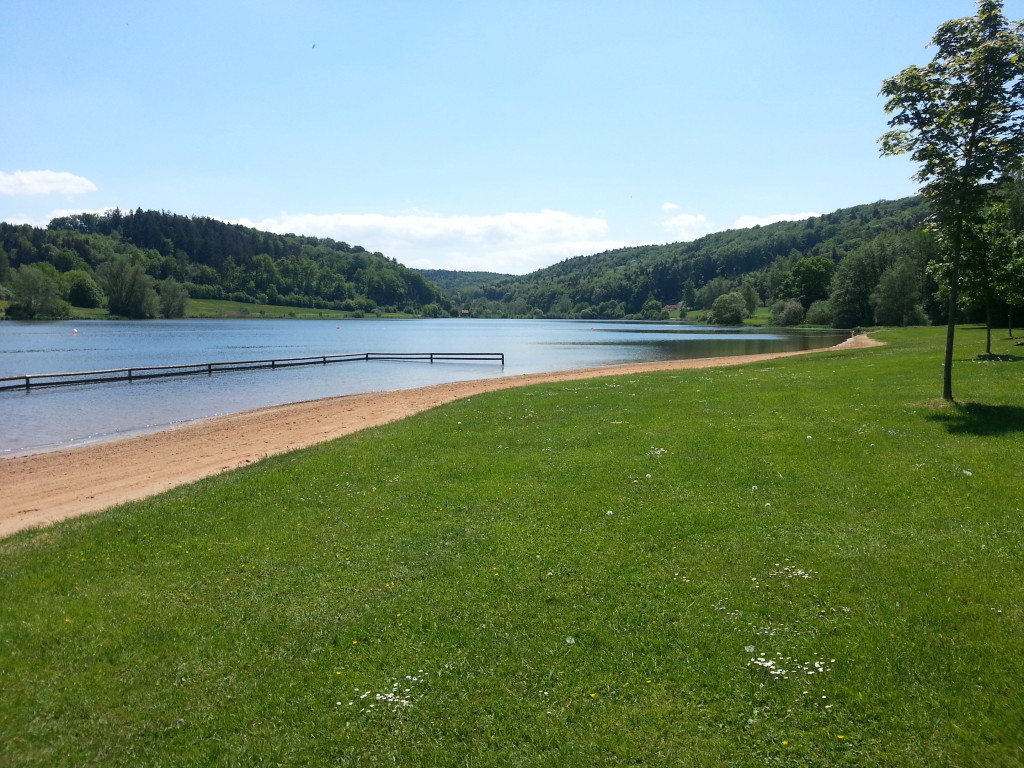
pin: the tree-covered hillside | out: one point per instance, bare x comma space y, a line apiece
640, 280
145, 254
873, 264
452, 281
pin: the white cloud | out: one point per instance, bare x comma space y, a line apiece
745, 222
25, 183
510, 243
687, 226
43, 219
690, 226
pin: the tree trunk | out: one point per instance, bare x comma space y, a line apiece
1009, 319
954, 291
988, 327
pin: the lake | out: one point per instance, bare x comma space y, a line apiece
45, 419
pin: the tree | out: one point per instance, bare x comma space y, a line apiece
750, 296
173, 298
129, 289
808, 281
961, 117
787, 312
820, 313
36, 295
651, 309
896, 299
82, 290
5, 266
728, 309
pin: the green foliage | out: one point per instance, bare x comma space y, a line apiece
215, 260
5, 266
896, 299
651, 310
751, 299
820, 313
728, 309
809, 514
130, 291
855, 291
83, 290
452, 282
173, 298
787, 312
808, 281
433, 310
960, 118
695, 273
36, 294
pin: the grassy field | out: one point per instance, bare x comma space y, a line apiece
204, 308
806, 562
236, 309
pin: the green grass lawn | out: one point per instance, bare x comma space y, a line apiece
805, 562
237, 309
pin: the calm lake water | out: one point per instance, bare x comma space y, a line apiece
44, 419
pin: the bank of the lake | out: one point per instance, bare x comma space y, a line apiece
805, 561
47, 419
38, 490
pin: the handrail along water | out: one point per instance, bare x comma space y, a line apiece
110, 375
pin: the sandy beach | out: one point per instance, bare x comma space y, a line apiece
44, 488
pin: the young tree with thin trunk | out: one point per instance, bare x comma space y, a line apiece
961, 117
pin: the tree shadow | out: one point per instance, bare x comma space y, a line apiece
999, 358
980, 419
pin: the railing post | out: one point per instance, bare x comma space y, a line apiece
129, 375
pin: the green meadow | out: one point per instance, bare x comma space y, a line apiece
806, 562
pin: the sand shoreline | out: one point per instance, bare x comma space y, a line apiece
43, 488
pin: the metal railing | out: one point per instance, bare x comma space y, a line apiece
136, 373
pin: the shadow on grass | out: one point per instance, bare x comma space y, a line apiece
999, 358
980, 419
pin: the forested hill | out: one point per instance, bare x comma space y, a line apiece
621, 282
862, 265
452, 281
215, 260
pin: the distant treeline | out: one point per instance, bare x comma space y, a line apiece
211, 259
874, 264
799, 261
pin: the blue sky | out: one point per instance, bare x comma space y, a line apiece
476, 135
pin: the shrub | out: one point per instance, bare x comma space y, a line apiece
728, 309
820, 313
787, 312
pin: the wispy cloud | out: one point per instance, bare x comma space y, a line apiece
511, 243
690, 226
686, 226
27, 183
